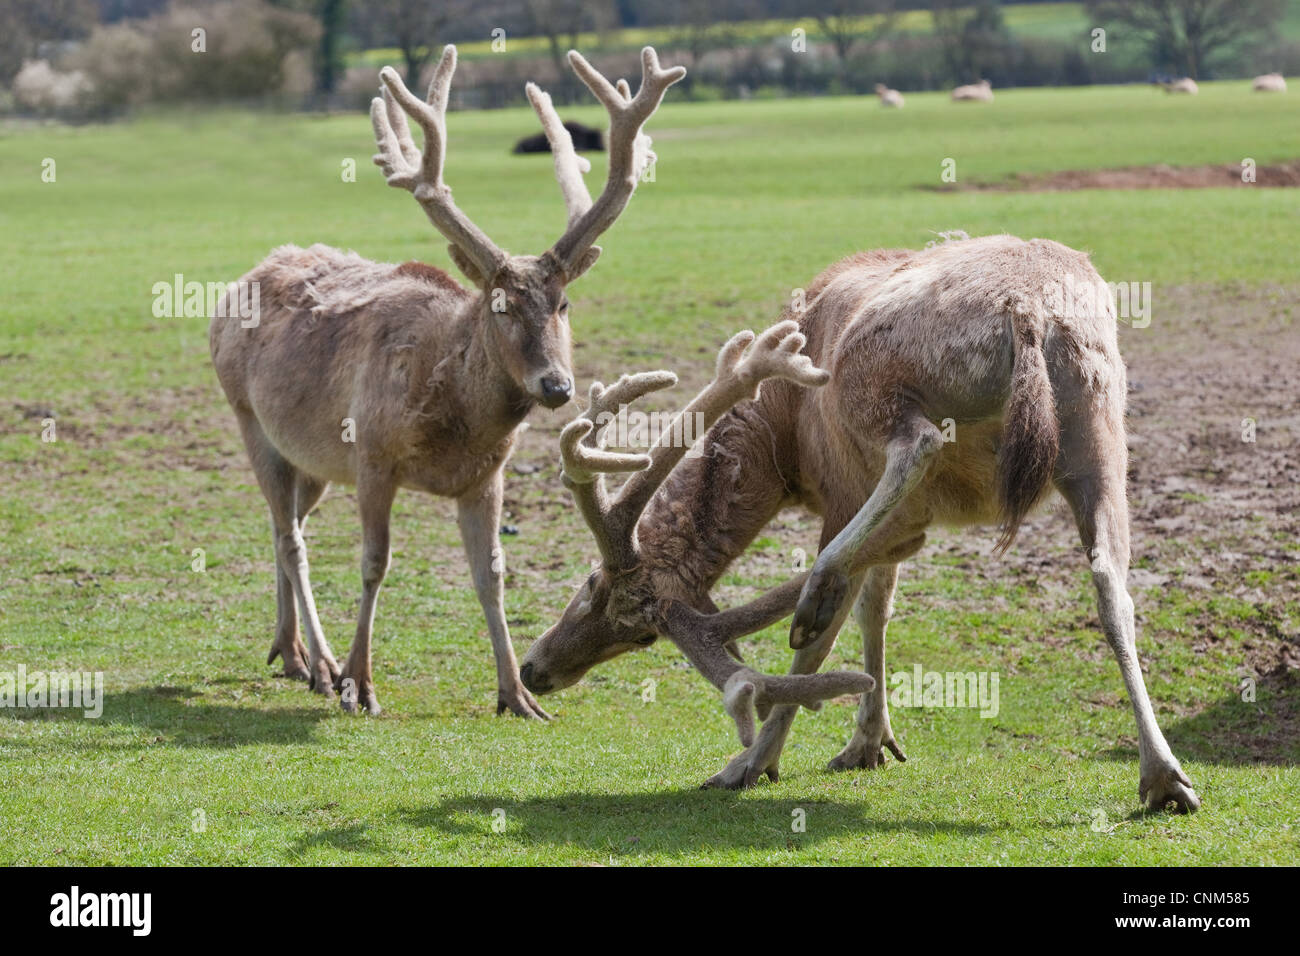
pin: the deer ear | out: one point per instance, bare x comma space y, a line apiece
586, 262
465, 265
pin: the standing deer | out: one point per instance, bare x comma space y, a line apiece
975, 331
430, 378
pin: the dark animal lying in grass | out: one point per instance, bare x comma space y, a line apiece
585, 140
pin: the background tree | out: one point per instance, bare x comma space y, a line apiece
1187, 35
701, 26
25, 25
974, 43
561, 22
329, 58
846, 22
413, 26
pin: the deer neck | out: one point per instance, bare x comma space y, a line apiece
717, 500
466, 383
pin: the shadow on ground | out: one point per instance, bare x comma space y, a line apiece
1235, 732
180, 717
674, 821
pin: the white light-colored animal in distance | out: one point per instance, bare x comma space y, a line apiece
1185, 85
1269, 83
981, 92
889, 97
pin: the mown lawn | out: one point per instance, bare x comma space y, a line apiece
749, 201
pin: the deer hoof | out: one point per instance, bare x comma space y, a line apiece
742, 772
822, 596
1169, 787
323, 677
357, 696
520, 703
293, 652
865, 756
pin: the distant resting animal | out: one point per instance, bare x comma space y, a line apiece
585, 139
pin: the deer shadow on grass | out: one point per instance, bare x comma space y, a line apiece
672, 821
353, 838
180, 717
1235, 732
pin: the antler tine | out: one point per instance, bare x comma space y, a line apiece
569, 166
586, 461
420, 172
629, 148
743, 364
747, 692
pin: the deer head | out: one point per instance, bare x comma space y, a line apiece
523, 299
619, 608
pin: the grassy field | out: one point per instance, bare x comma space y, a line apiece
749, 201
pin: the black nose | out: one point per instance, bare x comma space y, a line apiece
556, 389
529, 677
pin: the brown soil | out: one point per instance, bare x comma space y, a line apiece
1140, 177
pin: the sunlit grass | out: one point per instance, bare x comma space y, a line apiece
749, 202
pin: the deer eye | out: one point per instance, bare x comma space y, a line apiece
564, 306
646, 641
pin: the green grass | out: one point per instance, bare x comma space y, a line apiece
750, 201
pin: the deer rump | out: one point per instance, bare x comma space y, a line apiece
980, 336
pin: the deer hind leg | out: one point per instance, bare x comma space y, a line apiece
873, 735
908, 453
764, 755
278, 478
1093, 482
356, 683
288, 645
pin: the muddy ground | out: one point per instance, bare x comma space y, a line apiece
1160, 176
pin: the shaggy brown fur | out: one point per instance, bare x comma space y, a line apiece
963, 383
392, 377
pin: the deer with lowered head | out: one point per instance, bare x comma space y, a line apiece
891, 343
388, 377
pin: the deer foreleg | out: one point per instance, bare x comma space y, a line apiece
356, 684
873, 735
479, 517
764, 755
827, 589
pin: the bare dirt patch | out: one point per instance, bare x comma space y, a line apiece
1160, 176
